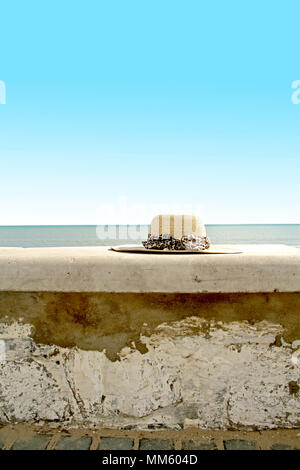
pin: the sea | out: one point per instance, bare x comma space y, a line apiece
111, 235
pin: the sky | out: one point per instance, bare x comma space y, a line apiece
117, 111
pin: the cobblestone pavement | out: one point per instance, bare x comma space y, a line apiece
25, 437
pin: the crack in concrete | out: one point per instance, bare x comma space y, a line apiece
75, 393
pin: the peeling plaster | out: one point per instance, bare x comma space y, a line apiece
212, 374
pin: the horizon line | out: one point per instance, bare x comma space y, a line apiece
138, 224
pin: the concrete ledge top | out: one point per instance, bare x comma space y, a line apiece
259, 268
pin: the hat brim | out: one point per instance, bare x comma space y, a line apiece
142, 249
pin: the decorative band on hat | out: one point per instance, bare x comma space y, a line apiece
168, 242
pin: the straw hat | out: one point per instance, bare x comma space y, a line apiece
175, 234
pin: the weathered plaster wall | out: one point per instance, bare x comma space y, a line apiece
89, 336
114, 320
220, 362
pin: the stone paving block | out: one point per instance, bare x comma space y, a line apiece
156, 444
236, 444
1, 443
192, 445
281, 447
71, 443
115, 443
36, 442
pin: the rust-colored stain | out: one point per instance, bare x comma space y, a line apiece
293, 388
111, 321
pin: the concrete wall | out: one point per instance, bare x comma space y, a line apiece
265, 268
153, 359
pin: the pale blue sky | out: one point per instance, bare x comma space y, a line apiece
164, 104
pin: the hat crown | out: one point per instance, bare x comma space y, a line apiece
177, 225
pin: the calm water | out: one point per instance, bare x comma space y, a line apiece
90, 235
